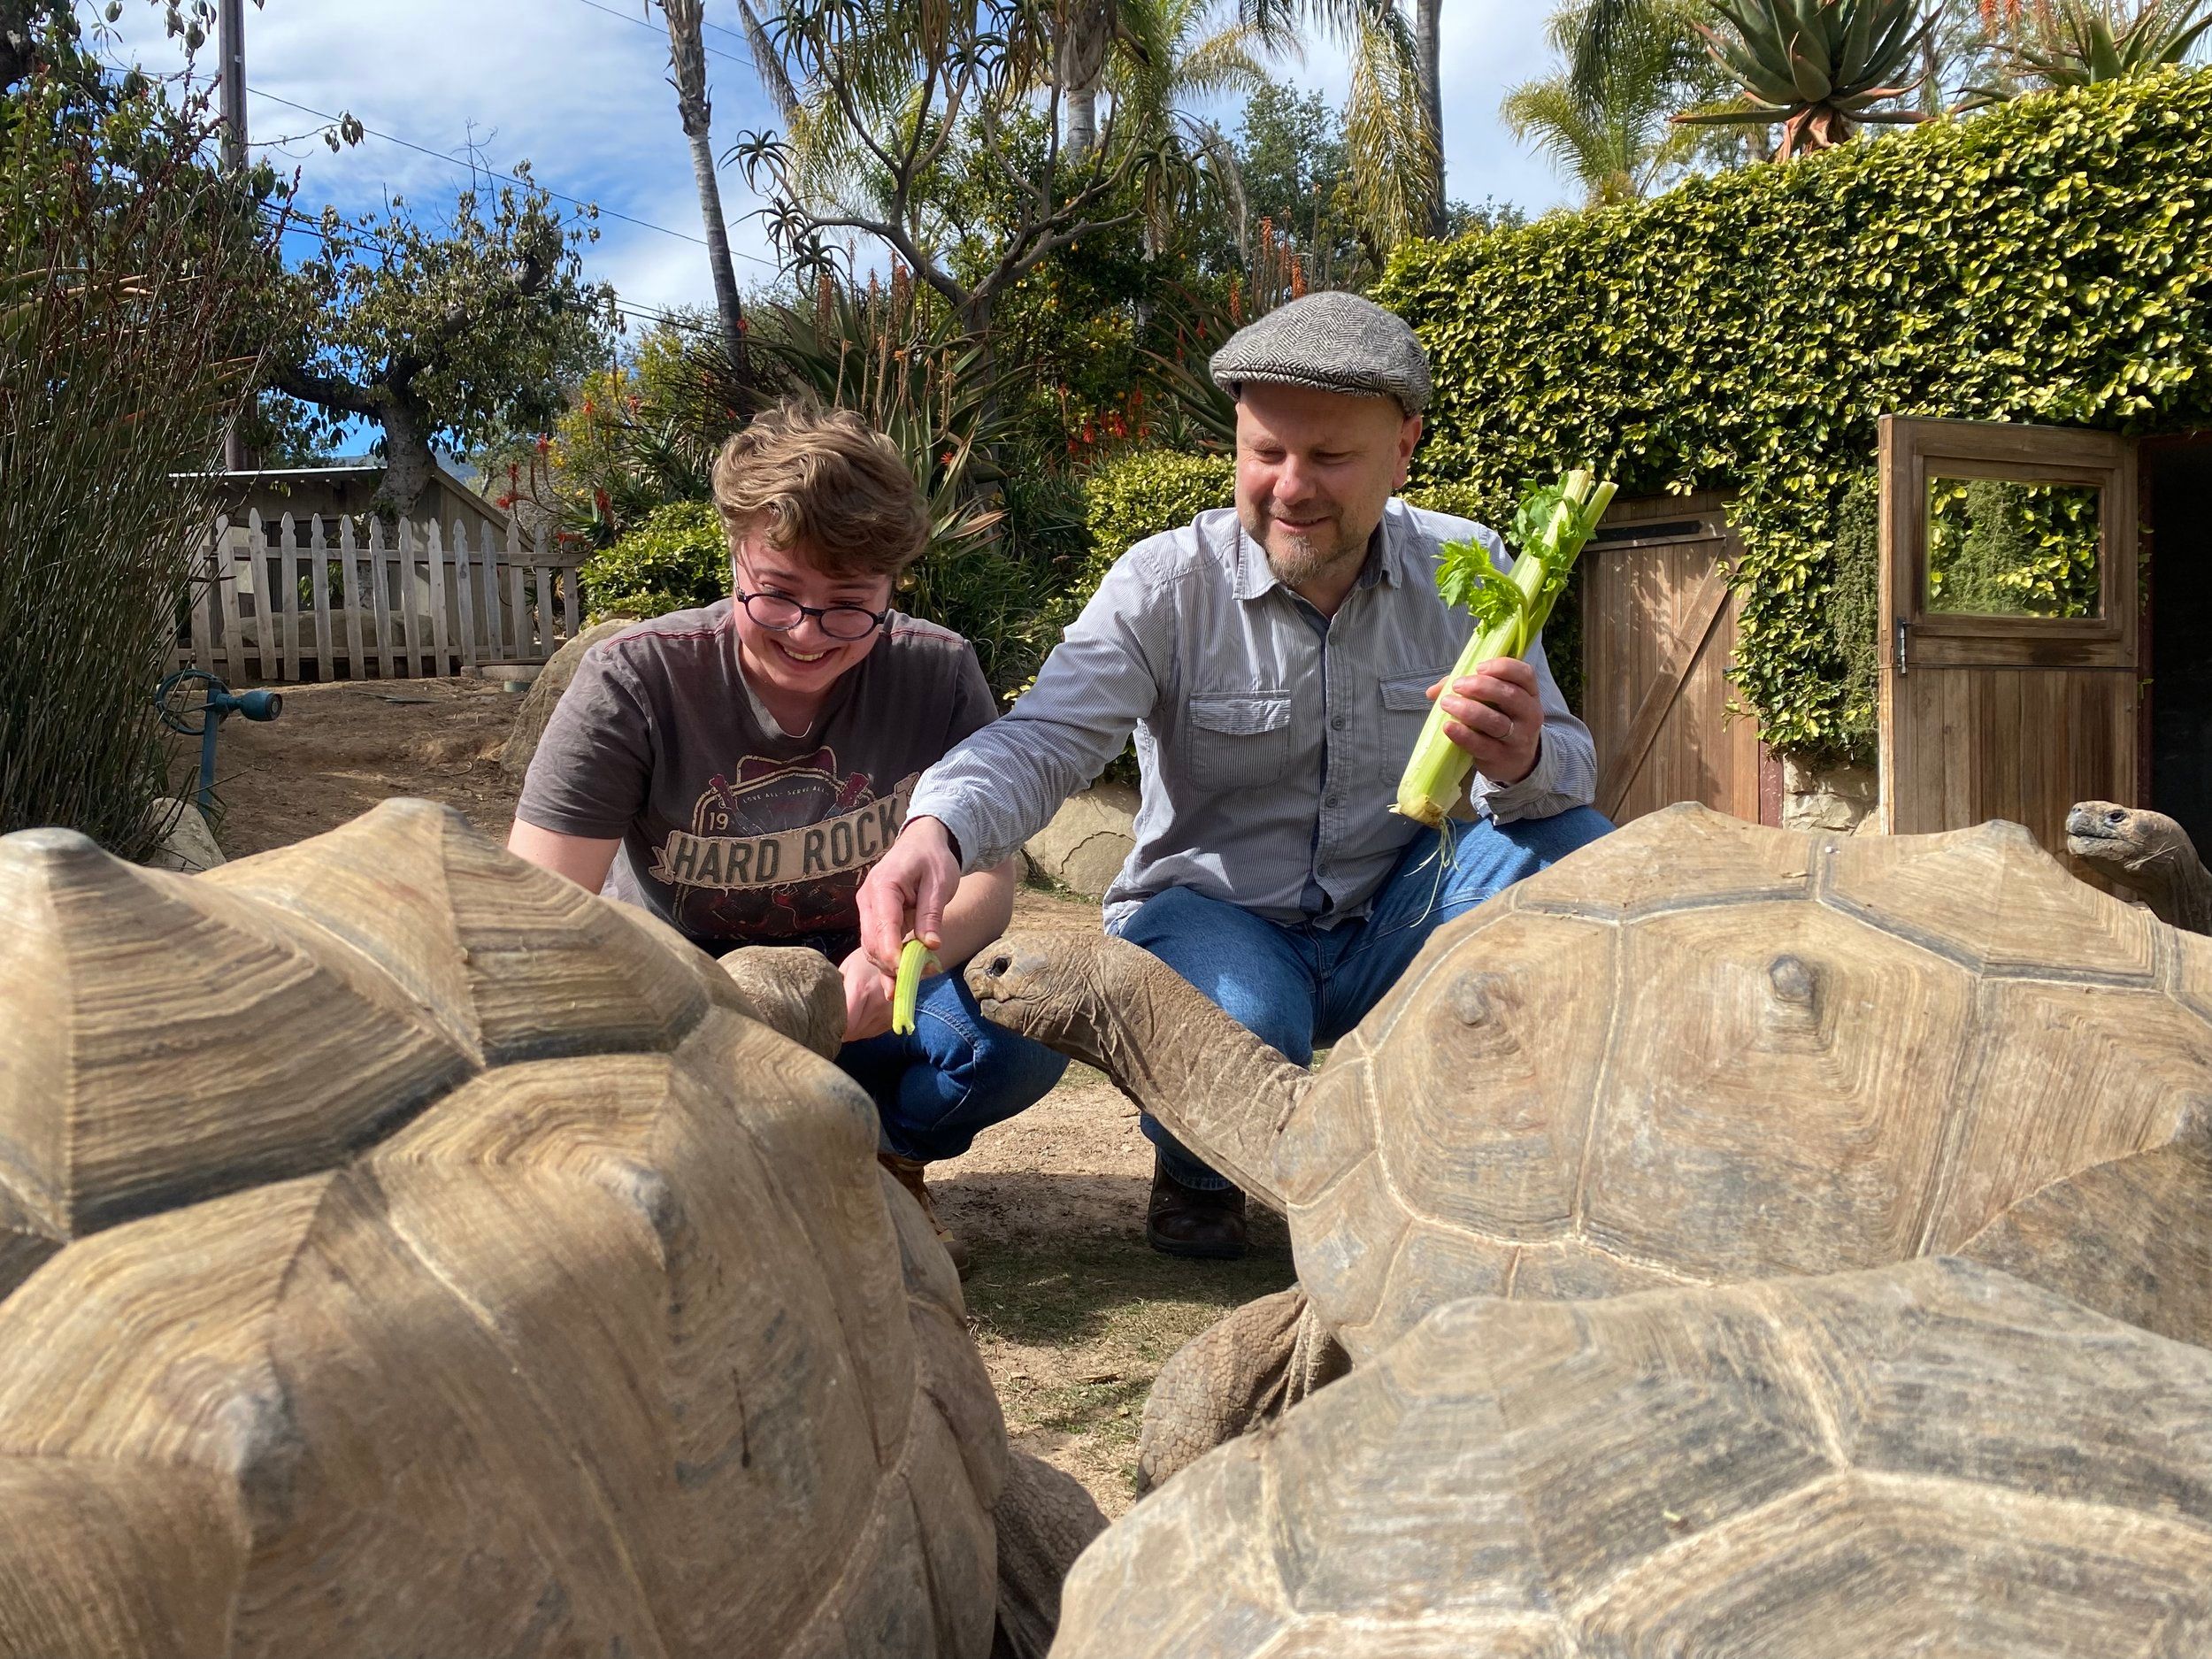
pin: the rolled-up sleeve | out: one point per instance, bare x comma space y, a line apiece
997, 788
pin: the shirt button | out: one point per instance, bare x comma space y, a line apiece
1337, 722
1336, 799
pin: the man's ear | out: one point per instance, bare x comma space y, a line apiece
1409, 434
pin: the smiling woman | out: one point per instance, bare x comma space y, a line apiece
738, 769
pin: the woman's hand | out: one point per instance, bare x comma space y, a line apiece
867, 997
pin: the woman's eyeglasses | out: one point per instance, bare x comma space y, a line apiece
840, 622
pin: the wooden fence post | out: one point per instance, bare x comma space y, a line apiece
318, 547
350, 588
382, 591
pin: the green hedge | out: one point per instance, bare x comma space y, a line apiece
677, 558
2050, 260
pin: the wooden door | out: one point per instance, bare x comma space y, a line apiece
1659, 631
2010, 688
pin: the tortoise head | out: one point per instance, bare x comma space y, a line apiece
2125, 841
1043, 985
1218, 1088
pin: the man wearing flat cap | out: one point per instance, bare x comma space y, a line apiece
1275, 663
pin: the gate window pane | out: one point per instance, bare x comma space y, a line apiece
2013, 547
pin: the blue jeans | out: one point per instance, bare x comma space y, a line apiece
1295, 985
952, 1077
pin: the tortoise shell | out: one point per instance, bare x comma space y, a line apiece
1698, 1050
405, 1251
1928, 1458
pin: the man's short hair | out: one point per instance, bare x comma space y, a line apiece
824, 481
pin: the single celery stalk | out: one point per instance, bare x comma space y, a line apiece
1509, 611
913, 956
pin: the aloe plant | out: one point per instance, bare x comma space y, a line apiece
1817, 67
2074, 43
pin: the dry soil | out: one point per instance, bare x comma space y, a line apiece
1073, 1313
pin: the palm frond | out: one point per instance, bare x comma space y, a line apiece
1390, 151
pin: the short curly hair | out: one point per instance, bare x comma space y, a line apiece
822, 482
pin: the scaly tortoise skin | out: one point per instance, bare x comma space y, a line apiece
2146, 854
1698, 1051
403, 1251
1927, 1458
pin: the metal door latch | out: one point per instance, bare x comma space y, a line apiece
1899, 657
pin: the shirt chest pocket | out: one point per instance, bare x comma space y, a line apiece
1238, 740
1405, 710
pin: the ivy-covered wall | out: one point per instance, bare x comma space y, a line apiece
2050, 260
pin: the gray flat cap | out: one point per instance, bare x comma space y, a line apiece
1333, 342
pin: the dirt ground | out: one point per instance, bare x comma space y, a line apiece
1074, 1315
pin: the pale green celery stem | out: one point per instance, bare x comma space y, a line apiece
1430, 787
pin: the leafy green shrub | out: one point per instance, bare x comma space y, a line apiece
1135, 495
676, 559
2049, 261
133, 283
1854, 611
1996, 547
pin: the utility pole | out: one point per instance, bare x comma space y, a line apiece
230, 45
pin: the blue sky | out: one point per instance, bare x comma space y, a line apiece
579, 88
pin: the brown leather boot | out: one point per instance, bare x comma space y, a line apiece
908, 1173
1185, 1221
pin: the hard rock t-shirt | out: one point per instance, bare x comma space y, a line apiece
733, 830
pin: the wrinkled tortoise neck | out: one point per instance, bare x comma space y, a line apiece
1218, 1089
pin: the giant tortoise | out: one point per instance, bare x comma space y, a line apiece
405, 1252
1928, 1458
1694, 1052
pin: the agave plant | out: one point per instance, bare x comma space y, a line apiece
2075, 43
1816, 67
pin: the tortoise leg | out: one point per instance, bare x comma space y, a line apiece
1045, 1519
1240, 1373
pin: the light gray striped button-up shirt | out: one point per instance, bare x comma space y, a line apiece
1271, 746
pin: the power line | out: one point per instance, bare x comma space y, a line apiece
286, 224
453, 160
712, 51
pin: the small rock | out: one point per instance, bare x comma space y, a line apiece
1085, 846
187, 846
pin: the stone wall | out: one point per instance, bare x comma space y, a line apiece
1837, 799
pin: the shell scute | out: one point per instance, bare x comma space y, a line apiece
1777, 1094
519, 962
1682, 855
1330, 1128
2061, 1078
1483, 1090
1990, 897
174, 1041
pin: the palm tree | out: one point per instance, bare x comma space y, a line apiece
688, 66
1153, 57
1393, 122
1614, 139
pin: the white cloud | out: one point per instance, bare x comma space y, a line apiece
581, 91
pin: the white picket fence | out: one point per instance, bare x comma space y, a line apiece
334, 598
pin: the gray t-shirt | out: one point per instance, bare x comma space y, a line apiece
733, 830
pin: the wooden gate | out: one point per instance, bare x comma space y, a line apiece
2009, 587
1659, 629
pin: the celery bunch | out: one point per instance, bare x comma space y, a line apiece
1510, 609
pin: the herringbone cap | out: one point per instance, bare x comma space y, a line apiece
1333, 342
